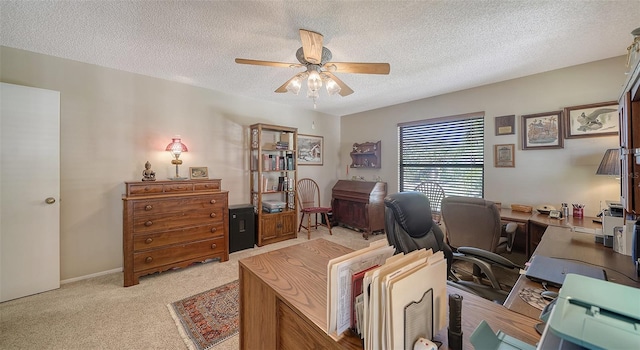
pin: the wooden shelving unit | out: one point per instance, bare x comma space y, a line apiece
366, 155
273, 180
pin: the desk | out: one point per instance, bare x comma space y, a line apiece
283, 303
561, 242
536, 224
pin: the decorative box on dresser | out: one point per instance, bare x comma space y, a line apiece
168, 224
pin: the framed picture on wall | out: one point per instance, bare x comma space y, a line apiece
504, 155
597, 119
542, 131
506, 125
310, 149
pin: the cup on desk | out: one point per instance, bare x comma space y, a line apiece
578, 213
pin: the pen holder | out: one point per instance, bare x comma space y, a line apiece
578, 213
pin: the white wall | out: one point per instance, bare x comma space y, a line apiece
540, 176
112, 122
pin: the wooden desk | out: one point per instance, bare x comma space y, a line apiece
283, 298
561, 242
537, 223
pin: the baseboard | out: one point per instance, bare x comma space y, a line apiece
75, 279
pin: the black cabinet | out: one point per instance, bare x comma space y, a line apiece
242, 227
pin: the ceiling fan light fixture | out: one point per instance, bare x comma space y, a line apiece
332, 87
295, 84
314, 82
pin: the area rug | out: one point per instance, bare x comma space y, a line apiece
208, 318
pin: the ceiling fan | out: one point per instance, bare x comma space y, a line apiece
319, 68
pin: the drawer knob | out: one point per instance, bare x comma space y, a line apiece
148, 240
213, 215
213, 229
213, 201
148, 259
148, 207
148, 223
146, 189
213, 246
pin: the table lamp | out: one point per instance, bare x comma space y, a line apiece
610, 164
176, 147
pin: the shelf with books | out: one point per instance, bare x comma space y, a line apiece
273, 178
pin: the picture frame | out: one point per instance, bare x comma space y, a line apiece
504, 155
592, 120
505, 125
198, 172
542, 131
310, 149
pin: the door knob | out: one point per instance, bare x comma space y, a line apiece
50, 200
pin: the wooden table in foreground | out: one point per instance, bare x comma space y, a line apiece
559, 242
283, 303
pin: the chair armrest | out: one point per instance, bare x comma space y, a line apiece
510, 228
488, 256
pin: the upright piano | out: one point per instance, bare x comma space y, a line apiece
359, 205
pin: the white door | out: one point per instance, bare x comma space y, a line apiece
29, 191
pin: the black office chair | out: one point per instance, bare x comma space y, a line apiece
409, 226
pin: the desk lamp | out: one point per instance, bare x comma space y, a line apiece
176, 147
610, 164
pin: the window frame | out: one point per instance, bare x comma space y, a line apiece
476, 119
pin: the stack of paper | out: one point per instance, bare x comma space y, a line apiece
340, 279
390, 300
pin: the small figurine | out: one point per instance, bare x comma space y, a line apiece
147, 173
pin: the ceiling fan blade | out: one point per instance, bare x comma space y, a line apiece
311, 46
356, 67
268, 63
344, 89
283, 87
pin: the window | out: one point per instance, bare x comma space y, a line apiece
448, 151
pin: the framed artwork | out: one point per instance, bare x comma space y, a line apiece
597, 119
310, 149
506, 125
199, 172
504, 156
542, 131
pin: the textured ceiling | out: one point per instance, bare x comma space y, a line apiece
433, 47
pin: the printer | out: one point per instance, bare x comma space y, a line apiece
586, 316
588, 313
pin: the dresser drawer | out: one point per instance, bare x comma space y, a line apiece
159, 257
213, 185
141, 189
166, 238
176, 220
151, 206
178, 187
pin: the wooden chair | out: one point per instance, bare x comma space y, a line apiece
308, 195
435, 193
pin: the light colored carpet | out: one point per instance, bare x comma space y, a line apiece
99, 313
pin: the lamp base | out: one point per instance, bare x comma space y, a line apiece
178, 178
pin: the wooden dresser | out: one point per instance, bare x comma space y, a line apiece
359, 204
169, 224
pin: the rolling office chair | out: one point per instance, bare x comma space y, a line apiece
308, 195
408, 229
474, 230
435, 193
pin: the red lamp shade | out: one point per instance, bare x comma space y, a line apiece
176, 146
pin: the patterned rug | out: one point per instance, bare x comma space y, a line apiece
206, 319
